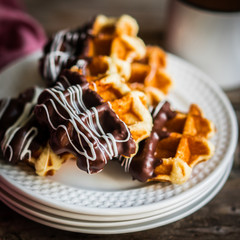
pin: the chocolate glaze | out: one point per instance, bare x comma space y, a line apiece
21, 136
143, 164
65, 49
82, 124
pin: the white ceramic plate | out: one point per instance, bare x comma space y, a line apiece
48, 213
30, 206
63, 218
137, 226
112, 192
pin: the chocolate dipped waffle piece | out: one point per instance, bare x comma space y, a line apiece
130, 106
19, 134
177, 143
112, 37
22, 138
82, 124
62, 51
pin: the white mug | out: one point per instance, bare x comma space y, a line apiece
208, 39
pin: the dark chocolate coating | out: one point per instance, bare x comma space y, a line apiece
74, 46
10, 115
143, 164
64, 137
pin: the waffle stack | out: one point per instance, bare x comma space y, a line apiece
106, 46
102, 81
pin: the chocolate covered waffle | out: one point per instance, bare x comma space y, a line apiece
19, 130
130, 106
102, 36
22, 138
81, 123
62, 51
177, 143
107, 46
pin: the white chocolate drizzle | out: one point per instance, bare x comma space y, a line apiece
158, 108
56, 58
22, 120
76, 109
126, 162
51, 69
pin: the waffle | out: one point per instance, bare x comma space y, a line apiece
106, 46
177, 143
111, 37
130, 106
47, 163
110, 25
127, 48
110, 87
101, 66
82, 124
132, 109
149, 75
116, 38
22, 138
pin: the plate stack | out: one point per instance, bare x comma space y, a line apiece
111, 202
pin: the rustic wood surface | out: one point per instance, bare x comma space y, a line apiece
219, 219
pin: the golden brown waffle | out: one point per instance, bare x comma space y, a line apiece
116, 38
132, 109
110, 87
48, 162
186, 146
100, 66
148, 75
110, 25
127, 48
115, 48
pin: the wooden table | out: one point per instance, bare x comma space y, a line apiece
219, 219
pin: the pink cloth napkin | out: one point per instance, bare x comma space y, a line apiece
20, 34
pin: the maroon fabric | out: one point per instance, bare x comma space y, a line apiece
20, 34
